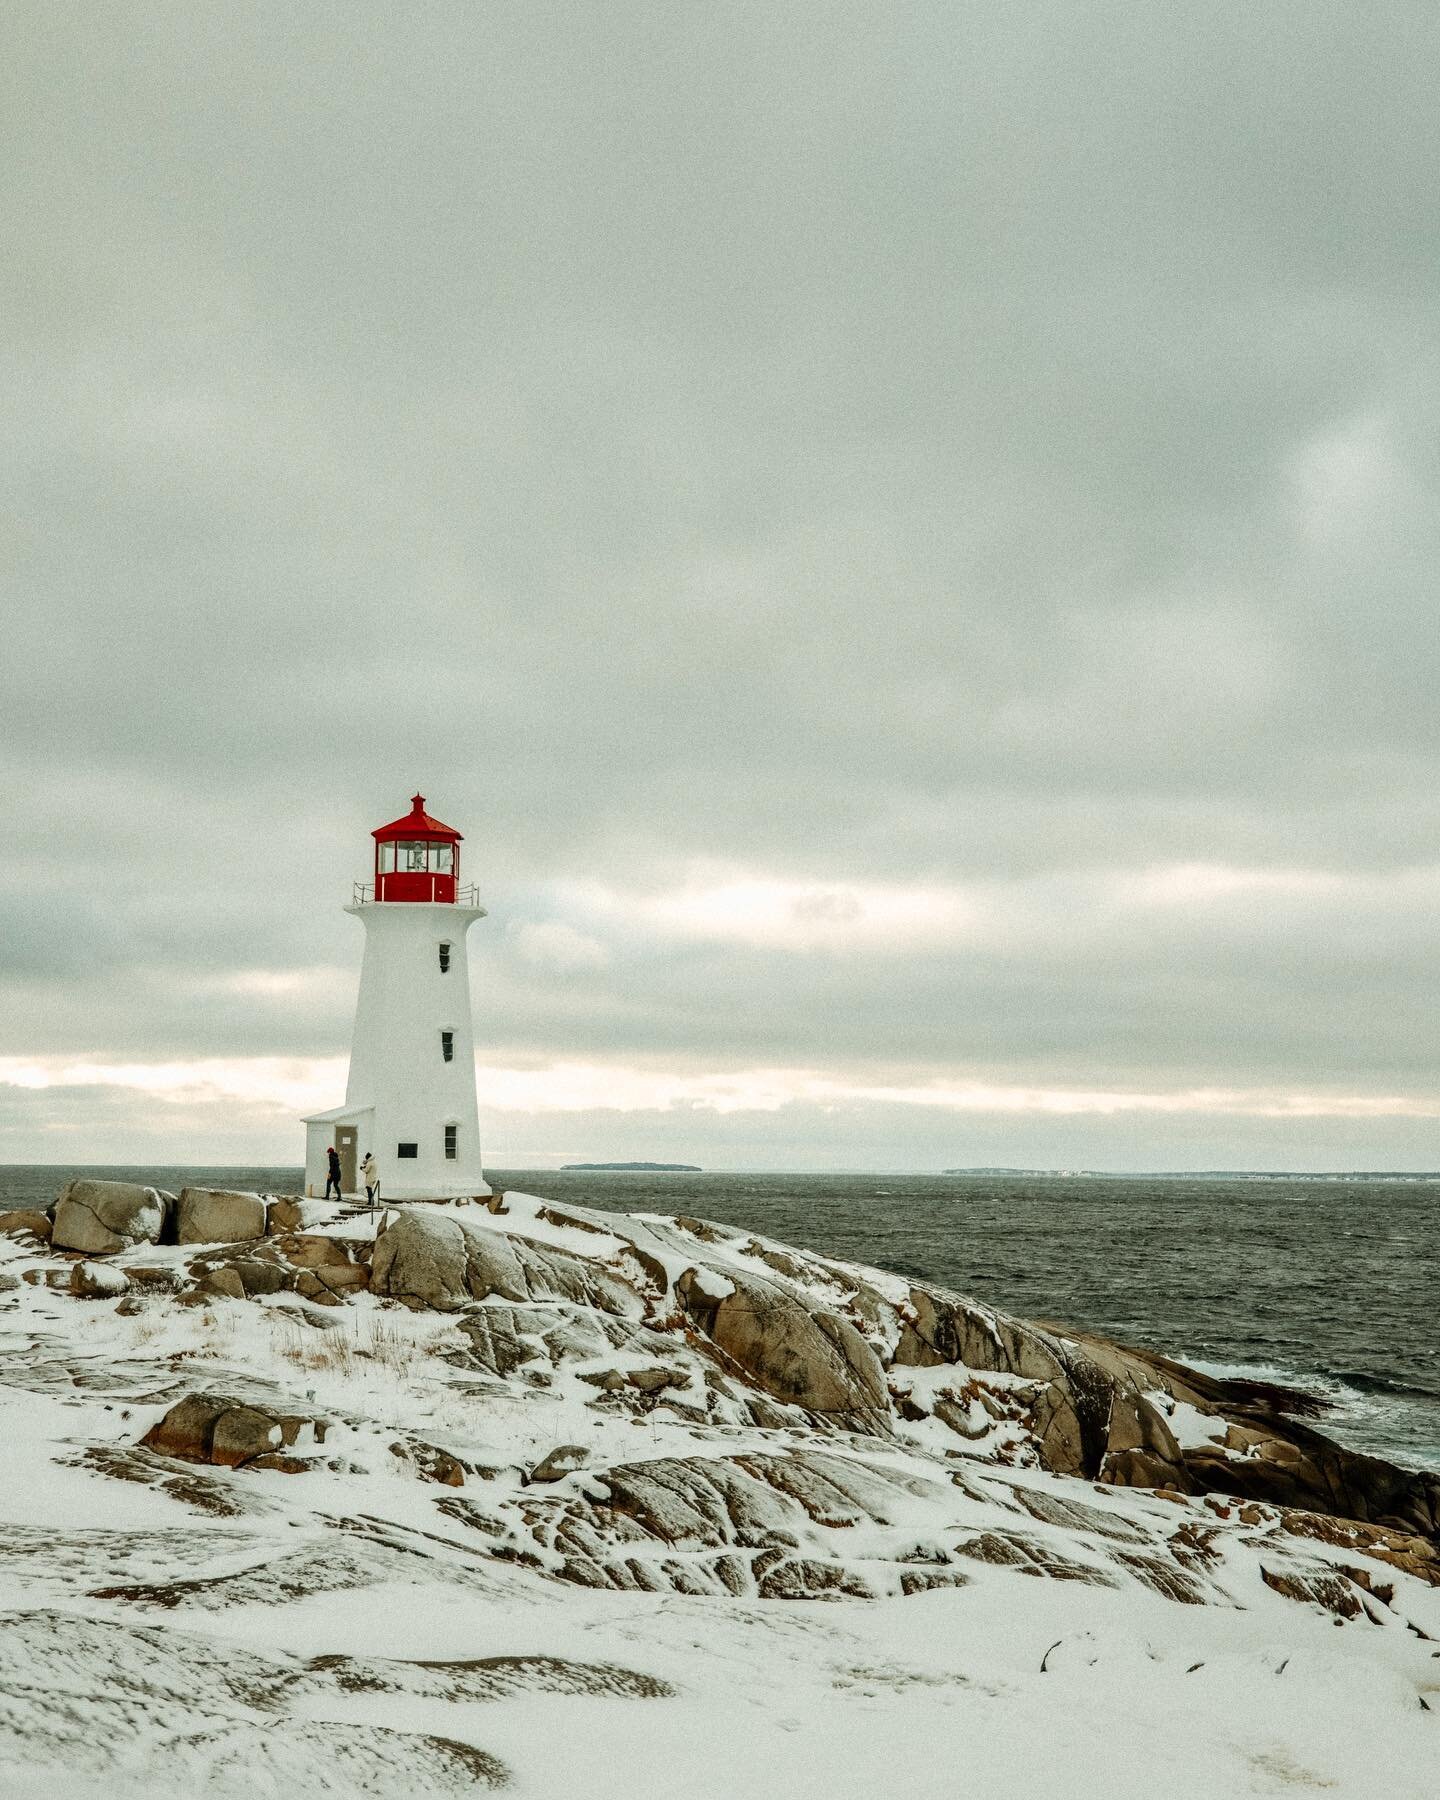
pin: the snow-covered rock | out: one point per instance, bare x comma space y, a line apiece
563, 1460
324, 1269
828, 1528
288, 1212
102, 1217
98, 1281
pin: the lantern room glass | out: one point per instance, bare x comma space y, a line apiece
418, 866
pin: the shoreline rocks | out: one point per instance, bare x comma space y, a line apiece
704, 1322
806, 1356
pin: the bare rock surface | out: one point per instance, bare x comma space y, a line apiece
22, 1219
808, 1356
327, 1271
219, 1216
215, 1428
445, 1261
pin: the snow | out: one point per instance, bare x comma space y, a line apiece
713, 1286
1012, 1685
522, 1218
1192, 1428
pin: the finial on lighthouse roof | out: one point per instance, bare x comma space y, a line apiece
416, 823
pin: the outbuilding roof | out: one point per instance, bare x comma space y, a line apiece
417, 823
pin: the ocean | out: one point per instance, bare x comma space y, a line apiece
1331, 1285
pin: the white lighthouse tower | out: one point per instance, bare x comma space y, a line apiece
410, 1098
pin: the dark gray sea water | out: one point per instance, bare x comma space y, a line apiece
1330, 1285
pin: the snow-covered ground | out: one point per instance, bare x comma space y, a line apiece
409, 1614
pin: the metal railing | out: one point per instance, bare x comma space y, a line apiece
362, 893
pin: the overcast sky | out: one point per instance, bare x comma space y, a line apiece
904, 536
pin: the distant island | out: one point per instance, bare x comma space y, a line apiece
1010, 1171
639, 1168
1210, 1174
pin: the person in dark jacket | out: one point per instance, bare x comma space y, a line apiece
333, 1178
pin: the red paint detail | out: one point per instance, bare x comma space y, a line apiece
417, 823
406, 884
417, 827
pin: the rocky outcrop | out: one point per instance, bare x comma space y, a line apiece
1101, 1414
563, 1460
219, 1216
326, 1270
444, 1261
23, 1221
807, 1356
215, 1428
1286, 1463
289, 1213
103, 1217
653, 1408
693, 1321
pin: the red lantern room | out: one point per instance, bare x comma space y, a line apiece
417, 858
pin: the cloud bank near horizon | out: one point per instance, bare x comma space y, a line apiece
905, 540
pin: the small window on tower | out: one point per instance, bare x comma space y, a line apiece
452, 1142
442, 857
407, 1151
447, 1045
387, 859
444, 959
413, 858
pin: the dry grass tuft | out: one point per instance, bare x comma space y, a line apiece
375, 1343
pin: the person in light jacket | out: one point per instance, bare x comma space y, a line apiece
371, 1177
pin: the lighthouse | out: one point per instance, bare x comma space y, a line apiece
410, 1099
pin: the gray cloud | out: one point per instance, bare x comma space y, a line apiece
923, 445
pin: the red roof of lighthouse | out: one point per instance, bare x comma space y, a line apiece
417, 823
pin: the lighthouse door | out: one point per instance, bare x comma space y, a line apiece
345, 1136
